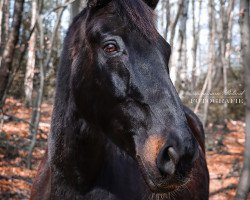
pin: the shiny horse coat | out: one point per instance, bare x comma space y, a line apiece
119, 130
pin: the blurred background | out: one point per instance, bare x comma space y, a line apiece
209, 66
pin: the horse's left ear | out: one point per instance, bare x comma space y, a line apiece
94, 3
152, 3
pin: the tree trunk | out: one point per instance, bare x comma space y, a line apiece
211, 57
225, 44
244, 183
76, 8
1, 23
207, 86
161, 16
9, 50
36, 112
195, 35
4, 26
44, 66
167, 19
172, 62
180, 67
6, 19
173, 25
29, 75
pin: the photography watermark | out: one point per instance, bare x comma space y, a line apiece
218, 100
229, 97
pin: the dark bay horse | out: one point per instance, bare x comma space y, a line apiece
119, 130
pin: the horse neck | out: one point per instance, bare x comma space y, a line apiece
84, 157
121, 175
76, 151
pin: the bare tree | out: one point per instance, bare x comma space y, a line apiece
244, 183
225, 35
167, 19
44, 62
76, 7
207, 86
175, 21
1, 20
195, 35
36, 112
9, 50
4, 27
181, 57
211, 56
29, 75
172, 26
6, 18
162, 13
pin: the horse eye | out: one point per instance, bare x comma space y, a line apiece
110, 48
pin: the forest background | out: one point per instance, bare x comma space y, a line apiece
209, 66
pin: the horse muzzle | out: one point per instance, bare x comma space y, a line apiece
166, 162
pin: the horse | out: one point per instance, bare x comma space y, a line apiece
119, 130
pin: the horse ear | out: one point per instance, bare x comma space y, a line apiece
152, 3
93, 3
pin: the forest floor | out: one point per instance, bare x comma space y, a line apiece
224, 153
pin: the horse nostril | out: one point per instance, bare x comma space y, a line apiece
167, 161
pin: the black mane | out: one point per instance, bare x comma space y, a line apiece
136, 13
139, 15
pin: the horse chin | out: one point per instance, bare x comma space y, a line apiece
161, 185
161, 189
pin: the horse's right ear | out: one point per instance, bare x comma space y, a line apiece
152, 3
94, 3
